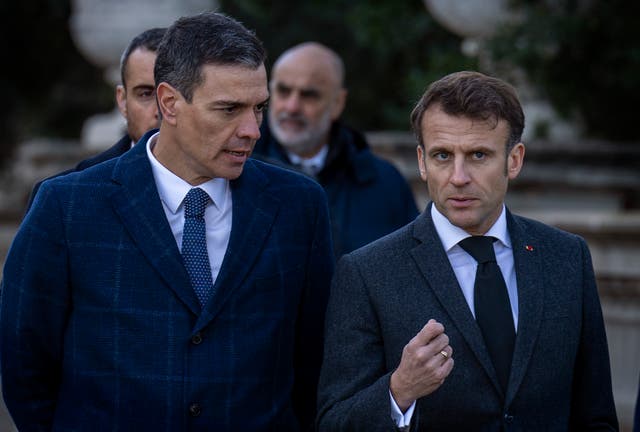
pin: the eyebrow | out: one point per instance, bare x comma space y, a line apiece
235, 103
304, 91
143, 87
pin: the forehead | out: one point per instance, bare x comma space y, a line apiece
232, 83
305, 69
140, 64
439, 128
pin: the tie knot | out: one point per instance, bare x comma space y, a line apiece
195, 203
480, 248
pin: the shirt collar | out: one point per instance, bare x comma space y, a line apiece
314, 163
450, 234
172, 189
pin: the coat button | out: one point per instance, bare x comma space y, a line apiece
196, 339
508, 418
195, 410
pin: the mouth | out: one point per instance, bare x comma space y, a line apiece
461, 201
238, 155
292, 122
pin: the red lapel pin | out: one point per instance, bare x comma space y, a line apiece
529, 248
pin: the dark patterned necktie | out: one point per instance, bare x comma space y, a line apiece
492, 306
194, 244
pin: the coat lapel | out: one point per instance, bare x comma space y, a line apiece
436, 269
254, 212
138, 205
528, 264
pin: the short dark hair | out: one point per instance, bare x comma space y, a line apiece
207, 38
476, 96
148, 39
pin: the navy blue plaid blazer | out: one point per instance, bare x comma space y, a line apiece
101, 329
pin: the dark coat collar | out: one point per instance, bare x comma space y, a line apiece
349, 154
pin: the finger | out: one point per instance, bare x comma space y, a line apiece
448, 366
436, 345
431, 330
444, 354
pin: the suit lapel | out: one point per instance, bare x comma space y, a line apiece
254, 212
138, 205
527, 264
435, 267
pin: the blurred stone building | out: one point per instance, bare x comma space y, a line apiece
588, 187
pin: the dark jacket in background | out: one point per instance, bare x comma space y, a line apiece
114, 151
368, 197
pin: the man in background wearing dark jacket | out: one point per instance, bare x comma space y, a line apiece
136, 99
367, 196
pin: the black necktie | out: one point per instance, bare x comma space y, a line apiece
492, 306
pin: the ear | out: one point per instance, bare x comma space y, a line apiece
515, 158
422, 166
339, 104
121, 99
167, 97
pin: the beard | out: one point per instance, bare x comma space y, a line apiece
306, 141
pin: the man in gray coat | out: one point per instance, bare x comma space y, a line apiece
469, 318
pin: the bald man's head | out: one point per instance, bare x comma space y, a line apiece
314, 55
307, 95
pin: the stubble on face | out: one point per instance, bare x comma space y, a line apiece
307, 139
463, 163
306, 97
213, 135
137, 102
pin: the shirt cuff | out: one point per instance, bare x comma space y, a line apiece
401, 420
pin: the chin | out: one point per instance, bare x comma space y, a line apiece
232, 174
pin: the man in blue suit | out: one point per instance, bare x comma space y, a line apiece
470, 318
136, 99
178, 287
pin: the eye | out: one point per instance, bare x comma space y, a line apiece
283, 91
441, 156
229, 109
261, 107
145, 93
479, 155
310, 94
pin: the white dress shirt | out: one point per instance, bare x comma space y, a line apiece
464, 267
217, 215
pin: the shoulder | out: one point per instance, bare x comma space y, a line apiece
114, 151
365, 161
280, 180
86, 179
540, 228
387, 249
544, 235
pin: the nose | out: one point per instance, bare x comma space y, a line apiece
460, 174
250, 126
292, 102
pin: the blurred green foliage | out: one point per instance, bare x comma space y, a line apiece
48, 87
584, 55
392, 49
